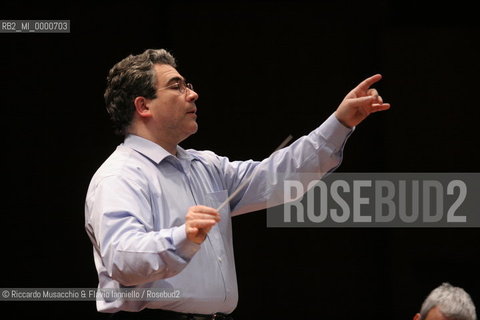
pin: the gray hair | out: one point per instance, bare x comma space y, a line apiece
454, 303
132, 77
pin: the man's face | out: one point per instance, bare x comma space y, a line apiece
173, 112
433, 314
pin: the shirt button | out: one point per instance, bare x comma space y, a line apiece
219, 259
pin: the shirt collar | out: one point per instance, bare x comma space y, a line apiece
185, 155
154, 151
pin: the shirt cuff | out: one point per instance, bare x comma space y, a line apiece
335, 132
183, 247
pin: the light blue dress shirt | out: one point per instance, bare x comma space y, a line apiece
137, 201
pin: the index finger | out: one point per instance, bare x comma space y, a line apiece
367, 83
204, 209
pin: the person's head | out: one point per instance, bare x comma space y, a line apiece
447, 302
145, 93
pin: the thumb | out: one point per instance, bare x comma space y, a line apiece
193, 230
363, 101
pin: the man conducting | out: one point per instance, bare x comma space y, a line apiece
151, 208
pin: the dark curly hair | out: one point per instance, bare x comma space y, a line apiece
132, 77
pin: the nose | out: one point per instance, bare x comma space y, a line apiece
191, 95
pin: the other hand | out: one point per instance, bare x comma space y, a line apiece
198, 222
360, 103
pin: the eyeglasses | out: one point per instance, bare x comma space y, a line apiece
179, 85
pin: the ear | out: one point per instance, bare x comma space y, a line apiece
141, 106
417, 316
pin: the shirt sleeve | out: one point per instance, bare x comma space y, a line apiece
120, 224
308, 158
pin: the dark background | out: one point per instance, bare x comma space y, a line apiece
263, 70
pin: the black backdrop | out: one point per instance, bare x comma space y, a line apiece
262, 70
